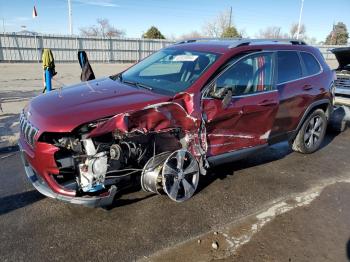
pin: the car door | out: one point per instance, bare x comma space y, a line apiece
295, 90
247, 117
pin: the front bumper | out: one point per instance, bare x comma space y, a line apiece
40, 185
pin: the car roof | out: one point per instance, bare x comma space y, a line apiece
224, 45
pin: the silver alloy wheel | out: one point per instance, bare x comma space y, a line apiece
313, 131
180, 175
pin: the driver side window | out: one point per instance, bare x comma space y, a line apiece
250, 75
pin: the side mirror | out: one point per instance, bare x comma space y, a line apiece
217, 93
227, 98
224, 94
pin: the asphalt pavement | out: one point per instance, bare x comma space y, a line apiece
35, 228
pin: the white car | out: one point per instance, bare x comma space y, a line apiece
342, 91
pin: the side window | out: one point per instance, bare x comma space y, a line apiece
311, 64
289, 67
250, 75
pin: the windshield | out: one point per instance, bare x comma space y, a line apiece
169, 71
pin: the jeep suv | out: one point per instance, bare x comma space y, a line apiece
163, 122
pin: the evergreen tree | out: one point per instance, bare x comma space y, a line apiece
153, 33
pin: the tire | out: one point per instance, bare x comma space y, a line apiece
338, 120
311, 134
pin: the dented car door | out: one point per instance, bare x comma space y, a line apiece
247, 118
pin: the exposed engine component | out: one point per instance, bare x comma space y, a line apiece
115, 152
70, 143
94, 169
180, 175
93, 164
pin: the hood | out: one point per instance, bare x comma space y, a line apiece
343, 56
65, 109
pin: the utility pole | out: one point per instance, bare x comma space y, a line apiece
299, 24
70, 25
230, 16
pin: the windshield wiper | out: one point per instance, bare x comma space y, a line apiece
137, 84
144, 86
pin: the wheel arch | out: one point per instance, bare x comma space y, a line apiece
324, 104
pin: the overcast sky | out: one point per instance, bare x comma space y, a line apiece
175, 17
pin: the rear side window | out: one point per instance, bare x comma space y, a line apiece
289, 67
311, 64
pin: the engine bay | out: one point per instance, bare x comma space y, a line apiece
158, 161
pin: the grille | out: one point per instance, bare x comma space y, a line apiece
27, 129
343, 81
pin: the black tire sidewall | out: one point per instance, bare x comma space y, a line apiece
302, 146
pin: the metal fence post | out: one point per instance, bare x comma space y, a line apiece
139, 57
36, 48
1, 49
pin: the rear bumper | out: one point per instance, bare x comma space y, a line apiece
342, 91
39, 184
342, 100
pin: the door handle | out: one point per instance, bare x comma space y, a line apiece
267, 102
307, 87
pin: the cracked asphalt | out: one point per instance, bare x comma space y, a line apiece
36, 228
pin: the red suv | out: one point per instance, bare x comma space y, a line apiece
164, 121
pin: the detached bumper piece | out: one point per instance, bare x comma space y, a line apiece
43, 188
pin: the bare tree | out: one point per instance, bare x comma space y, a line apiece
310, 40
191, 35
293, 31
243, 33
271, 32
216, 27
102, 29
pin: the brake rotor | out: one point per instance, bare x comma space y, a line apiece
151, 179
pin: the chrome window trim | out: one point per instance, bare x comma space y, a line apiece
252, 94
301, 61
204, 91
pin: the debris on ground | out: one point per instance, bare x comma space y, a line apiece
215, 245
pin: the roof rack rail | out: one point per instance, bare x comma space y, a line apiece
269, 41
185, 41
246, 41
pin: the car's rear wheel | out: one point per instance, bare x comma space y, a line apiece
311, 134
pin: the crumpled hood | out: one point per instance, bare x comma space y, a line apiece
343, 56
63, 110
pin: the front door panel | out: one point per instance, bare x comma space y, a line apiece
248, 118
246, 122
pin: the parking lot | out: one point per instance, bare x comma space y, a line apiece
40, 229
145, 226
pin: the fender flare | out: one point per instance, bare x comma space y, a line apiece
310, 108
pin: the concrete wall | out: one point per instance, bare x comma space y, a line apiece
27, 48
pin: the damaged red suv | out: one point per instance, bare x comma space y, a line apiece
166, 120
